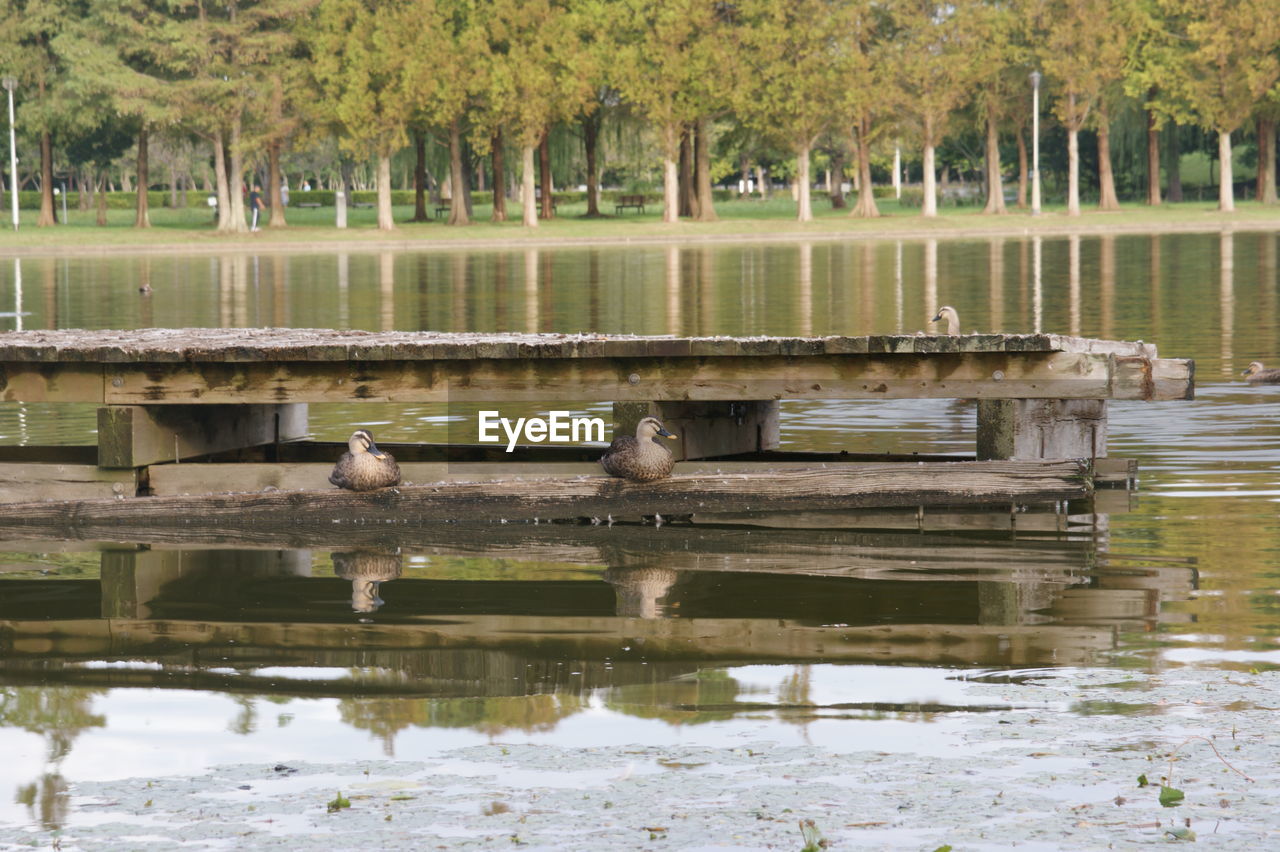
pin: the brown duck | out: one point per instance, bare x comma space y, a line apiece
364, 467
1256, 374
641, 457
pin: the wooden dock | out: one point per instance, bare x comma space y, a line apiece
178, 395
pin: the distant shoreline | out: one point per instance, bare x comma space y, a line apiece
78, 240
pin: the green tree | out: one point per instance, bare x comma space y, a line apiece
358, 52
443, 70
667, 64
540, 74
930, 55
1227, 65
796, 68
1083, 50
28, 30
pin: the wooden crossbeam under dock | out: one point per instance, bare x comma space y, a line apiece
957, 483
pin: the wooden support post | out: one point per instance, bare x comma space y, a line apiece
1028, 429
134, 580
136, 435
707, 429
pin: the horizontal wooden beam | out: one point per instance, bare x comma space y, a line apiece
136, 435
22, 482
594, 496
247, 345
1058, 375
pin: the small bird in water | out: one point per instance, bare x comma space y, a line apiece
1256, 374
641, 457
364, 467
949, 314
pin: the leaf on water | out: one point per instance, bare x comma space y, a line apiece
1142, 781
339, 803
1181, 833
1171, 796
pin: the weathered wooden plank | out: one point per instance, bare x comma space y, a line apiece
136, 435
246, 477
48, 381
873, 485
21, 482
977, 375
284, 344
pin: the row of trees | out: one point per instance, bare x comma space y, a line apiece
99, 76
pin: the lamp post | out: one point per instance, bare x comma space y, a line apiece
11, 83
1035, 143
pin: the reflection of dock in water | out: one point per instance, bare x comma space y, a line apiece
652, 603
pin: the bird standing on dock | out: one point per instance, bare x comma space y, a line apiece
640, 458
364, 467
951, 316
1256, 374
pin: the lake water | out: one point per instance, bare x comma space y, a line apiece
135, 661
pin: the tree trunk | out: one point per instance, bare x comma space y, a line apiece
419, 177
762, 181
385, 222
929, 202
1073, 172
1173, 169
1022, 171
85, 178
100, 203
1106, 179
1226, 192
744, 168
1267, 131
236, 179
458, 214
528, 194
590, 137
544, 175
866, 206
1153, 160
499, 180
706, 205
1267, 160
837, 178
221, 183
47, 216
340, 195
274, 183
804, 208
671, 175
686, 174
995, 187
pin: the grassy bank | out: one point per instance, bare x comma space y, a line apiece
193, 229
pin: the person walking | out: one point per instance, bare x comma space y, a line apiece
256, 205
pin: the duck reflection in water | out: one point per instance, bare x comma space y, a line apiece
640, 590
367, 570
1256, 374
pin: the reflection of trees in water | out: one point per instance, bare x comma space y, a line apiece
707, 695
386, 717
59, 714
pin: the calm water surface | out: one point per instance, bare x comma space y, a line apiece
138, 659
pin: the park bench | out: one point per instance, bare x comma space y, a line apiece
625, 201
307, 204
